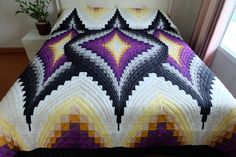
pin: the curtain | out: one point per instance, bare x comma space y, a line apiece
205, 27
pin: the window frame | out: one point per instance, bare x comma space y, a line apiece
223, 48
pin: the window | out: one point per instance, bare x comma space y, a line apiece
229, 40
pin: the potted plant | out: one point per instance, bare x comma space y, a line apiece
37, 9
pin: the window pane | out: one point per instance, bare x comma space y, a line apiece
229, 40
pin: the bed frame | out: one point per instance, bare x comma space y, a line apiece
164, 5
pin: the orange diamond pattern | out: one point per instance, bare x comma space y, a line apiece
65, 127
153, 127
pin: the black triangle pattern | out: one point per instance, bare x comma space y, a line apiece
160, 22
71, 22
117, 21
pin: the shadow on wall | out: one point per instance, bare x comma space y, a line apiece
184, 14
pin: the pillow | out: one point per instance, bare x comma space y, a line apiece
87, 18
146, 18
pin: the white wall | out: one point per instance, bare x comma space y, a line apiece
184, 14
161, 4
13, 27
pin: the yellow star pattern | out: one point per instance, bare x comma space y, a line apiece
117, 47
174, 48
58, 47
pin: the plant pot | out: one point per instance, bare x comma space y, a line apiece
44, 28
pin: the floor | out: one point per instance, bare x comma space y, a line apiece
11, 66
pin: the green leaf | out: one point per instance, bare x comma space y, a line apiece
18, 12
37, 9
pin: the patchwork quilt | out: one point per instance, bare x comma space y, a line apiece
116, 84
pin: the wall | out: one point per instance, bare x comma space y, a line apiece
184, 14
224, 67
13, 28
162, 4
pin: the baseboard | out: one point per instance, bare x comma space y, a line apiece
12, 50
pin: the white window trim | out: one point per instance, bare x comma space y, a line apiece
222, 48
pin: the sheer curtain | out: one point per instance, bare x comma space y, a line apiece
212, 21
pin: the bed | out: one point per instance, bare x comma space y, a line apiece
116, 76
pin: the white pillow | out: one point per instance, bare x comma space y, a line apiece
86, 18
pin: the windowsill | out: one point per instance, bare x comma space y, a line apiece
228, 53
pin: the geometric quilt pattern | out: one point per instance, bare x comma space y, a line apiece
43, 75
159, 132
7, 148
143, 18
90, 18
180, 54
112, 55
74, 134
120, 84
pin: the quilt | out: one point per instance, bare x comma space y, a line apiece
121, 85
